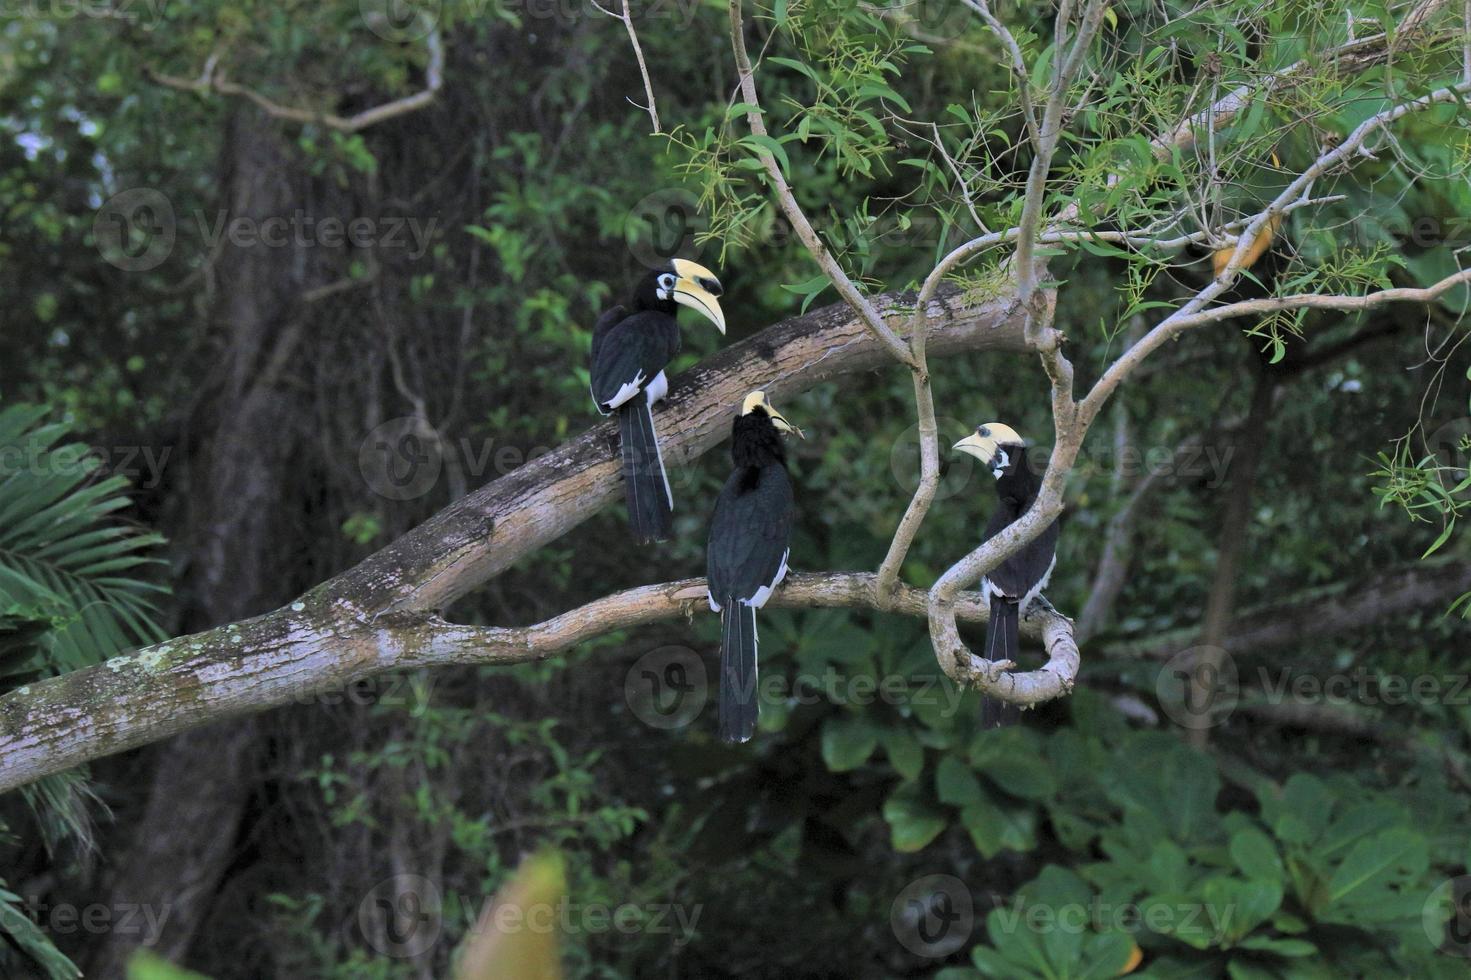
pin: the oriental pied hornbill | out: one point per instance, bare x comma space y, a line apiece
1018, 580
630, 349
746, 558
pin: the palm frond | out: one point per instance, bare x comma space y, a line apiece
69, 597
64, 557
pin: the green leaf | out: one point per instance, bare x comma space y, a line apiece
1237, 907
905, 753
994, 828
956, 782
1444, 537
145, 965
1280, 947
881, 91
1375, 861
1254, 853
796, 65
770, 145
847, 742
913, 822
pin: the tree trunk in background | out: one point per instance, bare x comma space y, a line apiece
236, 553
1235, 525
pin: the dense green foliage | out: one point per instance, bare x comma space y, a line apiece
1285, 849
70, 596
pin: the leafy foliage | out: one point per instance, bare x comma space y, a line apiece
70, 595
902, 136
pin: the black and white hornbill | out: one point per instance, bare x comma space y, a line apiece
630, 349
750, 534
1018, 580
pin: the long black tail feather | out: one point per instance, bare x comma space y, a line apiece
1003, 642
645, 484
738, 703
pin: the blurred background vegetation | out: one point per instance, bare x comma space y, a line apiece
221, 397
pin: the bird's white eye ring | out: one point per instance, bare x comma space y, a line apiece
666, 285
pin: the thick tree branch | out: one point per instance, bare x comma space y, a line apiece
319, 645
381, 613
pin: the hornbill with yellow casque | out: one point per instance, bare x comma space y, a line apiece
746, 559
630, 349
1018, 580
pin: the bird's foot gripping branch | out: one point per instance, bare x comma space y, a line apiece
382, 614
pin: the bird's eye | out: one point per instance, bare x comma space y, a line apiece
666, 282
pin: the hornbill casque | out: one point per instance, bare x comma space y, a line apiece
1018, 580
746, 559
630, 349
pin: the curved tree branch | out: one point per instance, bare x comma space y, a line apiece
382, 613
214, 80
319, 645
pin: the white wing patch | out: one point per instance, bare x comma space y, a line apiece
762, 594
629, 389
1037, 589
658, 388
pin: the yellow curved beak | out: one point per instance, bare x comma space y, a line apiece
979, 446
698, 288
983, 443
777, 419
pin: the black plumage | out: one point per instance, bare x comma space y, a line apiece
1018, 580
746, 559
630, 350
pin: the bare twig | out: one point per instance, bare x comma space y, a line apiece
1197, 310
809, 237
1018, 66
1071, 421
643, 69
212, 79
